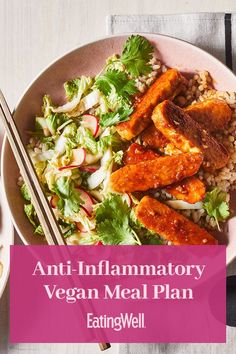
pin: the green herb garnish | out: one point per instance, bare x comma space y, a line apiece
113, 222
216, 206
136, 55
118, 80
112, 118
69, 197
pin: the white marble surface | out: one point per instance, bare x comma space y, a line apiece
34, 33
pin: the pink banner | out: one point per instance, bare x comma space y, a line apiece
117, 294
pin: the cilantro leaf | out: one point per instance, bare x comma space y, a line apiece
118, 80
117, 88
69, 197
71, 88
113, 222
216, 206
224, 210
136, 55
113, 118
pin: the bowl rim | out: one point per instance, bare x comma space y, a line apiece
5, 275
61, 57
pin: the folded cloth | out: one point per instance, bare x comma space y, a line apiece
215, 33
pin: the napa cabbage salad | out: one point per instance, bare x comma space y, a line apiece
75, 148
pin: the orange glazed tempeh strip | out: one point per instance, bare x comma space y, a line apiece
187, 135
170, 225
155, 173
168, 85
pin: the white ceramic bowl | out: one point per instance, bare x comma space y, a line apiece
88, 60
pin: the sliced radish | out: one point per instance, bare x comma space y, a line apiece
79, 156
78, 159
88, 201
131, 200
68, 167
53, 201
128, 199
90, 122
81, 227
90, 169
86, 211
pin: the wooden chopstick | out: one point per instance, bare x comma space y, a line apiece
43, 210
104, 346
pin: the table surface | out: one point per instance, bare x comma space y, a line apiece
35, 33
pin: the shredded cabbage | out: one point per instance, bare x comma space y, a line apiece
84, 84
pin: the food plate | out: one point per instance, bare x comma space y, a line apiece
89, 60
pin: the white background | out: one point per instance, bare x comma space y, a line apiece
35, 32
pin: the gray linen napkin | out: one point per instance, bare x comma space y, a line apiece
215, 33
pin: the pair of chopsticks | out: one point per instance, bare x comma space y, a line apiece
44, 212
